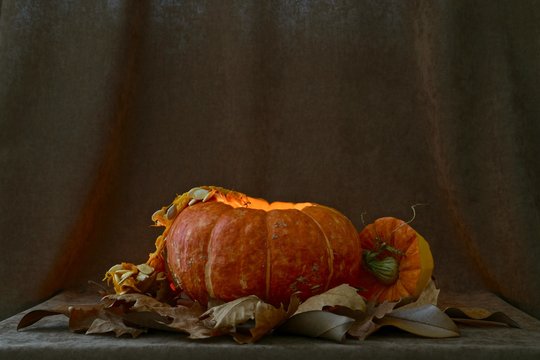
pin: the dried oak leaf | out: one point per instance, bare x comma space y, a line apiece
147, 312
109, 320
229, 316
81, 317
187, 319
267, 318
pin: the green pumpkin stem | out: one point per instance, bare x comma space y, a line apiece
386, 270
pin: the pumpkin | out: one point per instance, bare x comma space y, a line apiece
222, 244
397, 261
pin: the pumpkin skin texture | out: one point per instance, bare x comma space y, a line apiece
225, 248
412, 256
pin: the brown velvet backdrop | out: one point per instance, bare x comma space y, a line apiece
110, 108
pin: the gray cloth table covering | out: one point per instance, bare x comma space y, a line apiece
51, 339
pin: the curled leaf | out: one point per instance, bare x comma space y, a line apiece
267, 317
428, 296
480, 317
365, 326
234, 312
318, 324
425, 320
343, 295
34, 316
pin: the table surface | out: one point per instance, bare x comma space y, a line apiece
50, 338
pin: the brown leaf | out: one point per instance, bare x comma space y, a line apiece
109, 321
233, 313
320, 324
34, 316
428, 296
480, 317
147, 312
425, 320
138, 302
187, 320
365, 326
342, 295
147, 319
81, 317
267, 318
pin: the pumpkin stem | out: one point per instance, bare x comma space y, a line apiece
386, 270
413, 208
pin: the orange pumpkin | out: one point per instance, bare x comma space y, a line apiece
397, 261
223, 244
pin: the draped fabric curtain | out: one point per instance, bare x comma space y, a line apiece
108, 109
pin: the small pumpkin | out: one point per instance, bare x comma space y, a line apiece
397, 261
223, 244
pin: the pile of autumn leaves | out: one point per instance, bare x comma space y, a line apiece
337, 314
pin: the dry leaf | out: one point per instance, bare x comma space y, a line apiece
146, 319
267, 318
147, 312
428, 296
34, 316
109, 321
342, 295
233, 313
342, 301
365, 326
320, 324
187, 320
425, 320
82, 317
480, 317
138, 302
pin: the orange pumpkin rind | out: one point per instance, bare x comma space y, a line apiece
402, 256
314, 248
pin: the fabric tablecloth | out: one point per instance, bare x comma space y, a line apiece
51, 339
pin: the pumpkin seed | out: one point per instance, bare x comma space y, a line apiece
209, 195
161, 276
158, 215
141, 277
125, 276
115, 268
145, 269
193, 202
198, 193
171, 212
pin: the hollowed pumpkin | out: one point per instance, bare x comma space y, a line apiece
223, 244
397, 261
